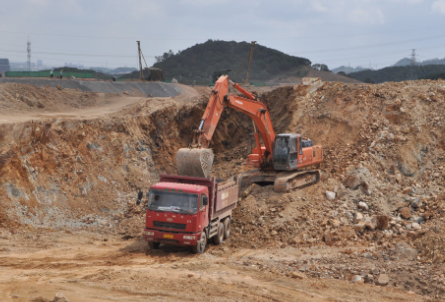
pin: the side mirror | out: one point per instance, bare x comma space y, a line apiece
205, 200
140, 195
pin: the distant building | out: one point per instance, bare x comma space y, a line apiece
39, 63
4, 66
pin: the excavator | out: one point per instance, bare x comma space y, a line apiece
284, 159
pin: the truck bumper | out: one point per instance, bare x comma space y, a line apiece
166, 237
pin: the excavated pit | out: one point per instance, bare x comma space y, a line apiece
383, 147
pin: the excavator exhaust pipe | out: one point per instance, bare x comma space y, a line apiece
195, 162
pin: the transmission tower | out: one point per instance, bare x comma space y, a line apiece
413, 65
29, 55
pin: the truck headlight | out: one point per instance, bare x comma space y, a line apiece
148, 233
187, 237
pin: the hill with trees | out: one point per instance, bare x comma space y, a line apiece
201, 60
435, 76
396, 74
407, 62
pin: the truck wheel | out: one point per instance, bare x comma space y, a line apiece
154, 245
227, 228
219, 237
200, 246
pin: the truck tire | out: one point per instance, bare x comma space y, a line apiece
227, 228
200, 246
154, 245
219, 237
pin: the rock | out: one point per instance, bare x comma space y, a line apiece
352, 182
416, 203
371, 222
330, 195
359, 227
408, 191
405, 212
357, 178
362, 205
404, 251
357, 279
344, 220
297, 275
59, 297
358, 217
369, 278
368, 255
415, 226
274, 233
383, 280
334, 223
383, 222
419, 220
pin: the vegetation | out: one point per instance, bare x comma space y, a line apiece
200, 61
96, 75
119, 70
396, 74
321, 67
435, 76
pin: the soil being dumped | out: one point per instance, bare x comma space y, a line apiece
374, 219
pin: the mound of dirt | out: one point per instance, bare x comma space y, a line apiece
25, 97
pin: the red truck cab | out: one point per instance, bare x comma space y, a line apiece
188, 211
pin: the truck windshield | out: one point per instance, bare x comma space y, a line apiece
173, 202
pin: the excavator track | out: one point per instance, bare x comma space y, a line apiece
282, 181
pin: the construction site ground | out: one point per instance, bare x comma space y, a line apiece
71, 163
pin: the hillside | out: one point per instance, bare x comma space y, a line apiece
407, 62
348, 69
201, 60
396, 74
435, 76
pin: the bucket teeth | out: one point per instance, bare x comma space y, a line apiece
196, 162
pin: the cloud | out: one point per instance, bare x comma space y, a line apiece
370, 16
438, 6
203, 2
318, 7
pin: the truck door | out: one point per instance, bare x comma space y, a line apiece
203, 213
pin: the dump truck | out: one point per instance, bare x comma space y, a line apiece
189, 211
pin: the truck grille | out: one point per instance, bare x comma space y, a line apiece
169, 225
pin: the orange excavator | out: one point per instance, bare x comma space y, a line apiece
279, 161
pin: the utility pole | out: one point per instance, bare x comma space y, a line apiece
250, 60
141, 73
29, 55
413, 65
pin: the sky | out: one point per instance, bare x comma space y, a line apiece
369, 33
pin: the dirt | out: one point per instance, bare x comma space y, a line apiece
296, 77
71, 166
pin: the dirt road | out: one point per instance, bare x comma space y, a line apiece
93, 267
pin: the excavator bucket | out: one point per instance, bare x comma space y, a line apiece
196, 162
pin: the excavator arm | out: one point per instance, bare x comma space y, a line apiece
219, 99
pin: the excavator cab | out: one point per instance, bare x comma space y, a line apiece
286, 148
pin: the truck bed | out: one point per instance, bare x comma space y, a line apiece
223, 194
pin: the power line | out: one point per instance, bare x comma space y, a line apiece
196, 39
72, 54
373, 45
